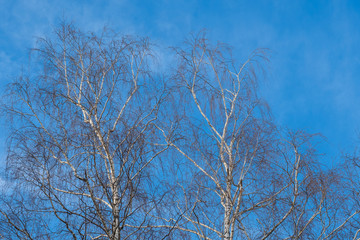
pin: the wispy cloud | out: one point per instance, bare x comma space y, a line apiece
315, 65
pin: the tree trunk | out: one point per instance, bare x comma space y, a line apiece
116, 217
227, 216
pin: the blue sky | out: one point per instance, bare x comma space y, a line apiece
313, 79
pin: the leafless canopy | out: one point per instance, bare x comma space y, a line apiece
103, 148
83, 138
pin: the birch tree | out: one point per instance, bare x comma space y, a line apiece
104, 148
82, 143
237, 175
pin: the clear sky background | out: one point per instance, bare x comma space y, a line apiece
313, 80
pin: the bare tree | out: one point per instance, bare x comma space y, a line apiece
237, 175
82, 142
102, 148
226, 135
